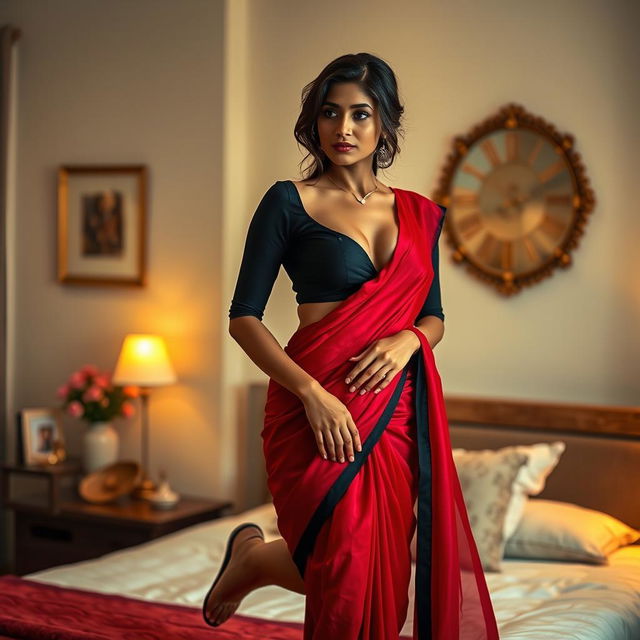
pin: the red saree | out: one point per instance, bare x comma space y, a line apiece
349, 526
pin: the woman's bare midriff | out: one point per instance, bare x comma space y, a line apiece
310, 312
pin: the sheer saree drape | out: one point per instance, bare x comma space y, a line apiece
349, 526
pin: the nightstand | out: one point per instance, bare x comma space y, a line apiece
82, 531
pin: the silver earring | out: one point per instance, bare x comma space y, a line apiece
382, 151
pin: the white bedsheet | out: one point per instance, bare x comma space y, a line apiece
533, 600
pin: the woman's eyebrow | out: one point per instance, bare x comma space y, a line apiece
353, 106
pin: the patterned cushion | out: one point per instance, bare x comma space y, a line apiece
487, 481
487, 478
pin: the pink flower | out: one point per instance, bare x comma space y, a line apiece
62, 391
89, 370
128, 409
77, 380
75, 409
101, 380
93, 394
131, 391
104, 402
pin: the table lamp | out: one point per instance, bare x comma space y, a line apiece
144, 362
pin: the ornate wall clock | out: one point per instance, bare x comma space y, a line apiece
517, 197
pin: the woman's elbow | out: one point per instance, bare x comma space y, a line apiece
238, 322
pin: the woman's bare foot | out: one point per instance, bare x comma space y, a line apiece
237, 578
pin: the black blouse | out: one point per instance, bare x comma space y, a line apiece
324, 265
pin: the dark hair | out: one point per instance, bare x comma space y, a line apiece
377, 80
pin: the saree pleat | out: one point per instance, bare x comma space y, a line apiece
349, 526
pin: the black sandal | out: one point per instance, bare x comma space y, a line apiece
225, 562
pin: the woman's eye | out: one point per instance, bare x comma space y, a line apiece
327, 112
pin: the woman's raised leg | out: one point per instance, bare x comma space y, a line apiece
273, 564
254, 563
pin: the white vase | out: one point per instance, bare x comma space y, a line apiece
100, 446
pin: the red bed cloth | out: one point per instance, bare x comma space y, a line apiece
31, 610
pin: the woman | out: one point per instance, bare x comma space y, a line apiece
355, 428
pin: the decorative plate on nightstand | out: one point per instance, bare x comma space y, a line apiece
110, 482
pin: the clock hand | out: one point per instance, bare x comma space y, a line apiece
536, 191
506, 200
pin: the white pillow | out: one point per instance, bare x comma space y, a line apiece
552, 530
531, 479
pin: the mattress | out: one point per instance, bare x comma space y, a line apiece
533, 600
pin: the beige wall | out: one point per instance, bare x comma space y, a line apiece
206, 94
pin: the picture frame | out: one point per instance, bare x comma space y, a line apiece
40, 436
102, 211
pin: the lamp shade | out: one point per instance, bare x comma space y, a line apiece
144, 362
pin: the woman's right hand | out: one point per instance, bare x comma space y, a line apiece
335, 431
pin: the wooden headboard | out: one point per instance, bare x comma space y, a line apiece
599, 469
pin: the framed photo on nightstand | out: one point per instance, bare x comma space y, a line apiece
40, 436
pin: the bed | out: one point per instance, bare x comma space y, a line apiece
155, 589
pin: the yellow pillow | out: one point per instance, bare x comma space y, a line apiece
552, 530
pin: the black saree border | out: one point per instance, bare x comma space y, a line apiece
337, 490
423, 540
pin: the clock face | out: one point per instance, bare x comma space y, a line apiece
511, 203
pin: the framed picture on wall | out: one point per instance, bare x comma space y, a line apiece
40, 436
102, 214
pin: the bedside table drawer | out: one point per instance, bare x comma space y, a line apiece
59, 533
42, 542
81, 531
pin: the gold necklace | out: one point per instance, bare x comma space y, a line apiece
360, 200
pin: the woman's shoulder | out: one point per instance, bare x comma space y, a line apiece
274, 207
280, 188
286, 193
277, 197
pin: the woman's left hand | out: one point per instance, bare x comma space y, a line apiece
380, 361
